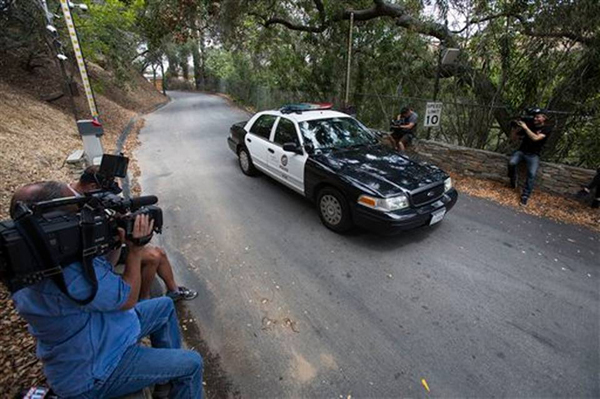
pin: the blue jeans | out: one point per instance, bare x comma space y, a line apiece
532, 161
142, 366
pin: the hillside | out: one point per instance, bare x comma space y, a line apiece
36, 136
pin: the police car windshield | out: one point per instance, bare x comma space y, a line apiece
336, 133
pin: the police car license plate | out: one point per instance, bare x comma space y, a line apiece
437, 216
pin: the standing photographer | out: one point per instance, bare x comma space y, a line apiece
91, 350
533, 136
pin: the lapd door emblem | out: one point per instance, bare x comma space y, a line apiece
284, 160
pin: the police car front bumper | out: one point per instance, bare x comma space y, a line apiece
232, 144
406, 219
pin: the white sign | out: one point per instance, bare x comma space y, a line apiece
433, 114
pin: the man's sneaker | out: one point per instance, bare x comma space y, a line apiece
523, 201
182, 293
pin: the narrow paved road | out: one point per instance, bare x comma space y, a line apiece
491, 302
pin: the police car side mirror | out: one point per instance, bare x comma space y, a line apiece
309, 148
293, 147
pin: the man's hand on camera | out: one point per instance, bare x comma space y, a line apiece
142, 228
522, 125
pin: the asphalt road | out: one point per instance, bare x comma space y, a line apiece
491, 302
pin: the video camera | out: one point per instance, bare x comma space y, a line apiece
46, 236
527, 116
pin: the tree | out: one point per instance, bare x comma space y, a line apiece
514, 54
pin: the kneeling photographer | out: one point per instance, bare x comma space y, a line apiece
154, 259
86, 319
533, 131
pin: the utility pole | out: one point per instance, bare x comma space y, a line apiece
347, 97
89, 129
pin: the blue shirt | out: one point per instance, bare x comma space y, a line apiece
79, 345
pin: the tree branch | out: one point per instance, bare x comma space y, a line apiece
528, 28
379, 9
303, 28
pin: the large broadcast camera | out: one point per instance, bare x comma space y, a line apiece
47, 236
528, 117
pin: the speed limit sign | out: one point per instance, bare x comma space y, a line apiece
433, 114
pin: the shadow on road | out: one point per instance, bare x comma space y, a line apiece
359, 236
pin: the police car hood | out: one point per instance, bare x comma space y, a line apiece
380, 170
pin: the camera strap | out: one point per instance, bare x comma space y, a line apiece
90, 251
39, 246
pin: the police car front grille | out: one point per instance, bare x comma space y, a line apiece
428, 195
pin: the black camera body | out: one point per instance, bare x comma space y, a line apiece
28, 255
48, 235
19, 263
527, 117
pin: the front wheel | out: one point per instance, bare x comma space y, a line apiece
245, 162
334, 210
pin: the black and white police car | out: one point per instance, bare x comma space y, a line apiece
334, 160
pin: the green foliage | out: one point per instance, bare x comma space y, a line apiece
514, 54
524, 53
107, 34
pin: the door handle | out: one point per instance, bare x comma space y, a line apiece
248, 140
272, 151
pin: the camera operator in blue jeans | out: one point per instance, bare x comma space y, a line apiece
533, 137
93, 351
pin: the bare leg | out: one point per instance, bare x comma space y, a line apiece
149, 267
165, 271
158, 263
401, 146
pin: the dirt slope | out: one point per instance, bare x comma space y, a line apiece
36, 136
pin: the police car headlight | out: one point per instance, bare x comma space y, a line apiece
447, 185
384, 204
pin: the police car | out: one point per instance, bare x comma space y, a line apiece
335, 161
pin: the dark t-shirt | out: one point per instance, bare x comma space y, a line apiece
412, 118
529, 146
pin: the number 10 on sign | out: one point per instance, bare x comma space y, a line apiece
433, 114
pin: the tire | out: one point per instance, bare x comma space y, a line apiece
245, 162
333, 210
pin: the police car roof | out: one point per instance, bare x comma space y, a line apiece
308, 115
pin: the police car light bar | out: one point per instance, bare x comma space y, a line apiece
302, 107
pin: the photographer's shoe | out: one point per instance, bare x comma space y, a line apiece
182, 293
523, 201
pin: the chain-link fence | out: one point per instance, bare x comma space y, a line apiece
463, 122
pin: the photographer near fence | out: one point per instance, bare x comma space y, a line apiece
154, 259
86, 319
404, 128
533, 132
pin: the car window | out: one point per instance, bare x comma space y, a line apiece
286, 132
336, 133
263, 125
